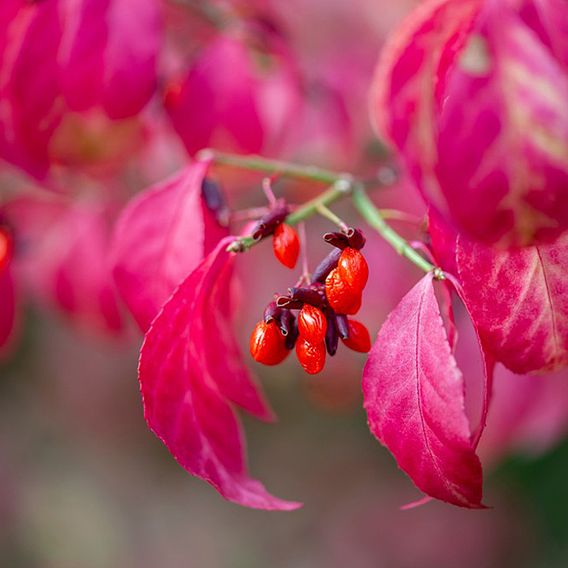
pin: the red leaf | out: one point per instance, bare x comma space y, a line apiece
227, 102
414, 397
161, 236
402, 101
184, 401
518, 300
63, 258
497, 165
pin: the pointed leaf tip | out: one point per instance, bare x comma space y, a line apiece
414, 398
187, 389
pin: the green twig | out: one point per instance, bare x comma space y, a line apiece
371, 214
305, 211
331, 216
341, 185
256, 163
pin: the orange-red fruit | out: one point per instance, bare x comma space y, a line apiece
286, 245
310, 355
343, 298
312, 324
5, 248
267, 344
359, 338
353, 268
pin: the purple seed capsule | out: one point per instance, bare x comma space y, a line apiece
356, 238
342, 326
270, 221
336, 239
307, 296
326, 266
331, 335
272, 313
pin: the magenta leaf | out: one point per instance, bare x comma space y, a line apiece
518, 300
28, 87
161, 236
414, 398
107, 57
509, 186
63, 261
496, 164
228, 102
63, 57
185, 390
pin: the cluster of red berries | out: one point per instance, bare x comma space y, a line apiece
322, 309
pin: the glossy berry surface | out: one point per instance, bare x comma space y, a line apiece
359, 338
343, 298
311, 355
312, 324
353, 268
286, 245
267, 344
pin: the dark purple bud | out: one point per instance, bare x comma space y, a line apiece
356, 238
289, 303
331, 335
292, 335
336, 239
215, 200
286, 321
307, 296
326, 266
289, 328
272, 313
342, 326
270, 221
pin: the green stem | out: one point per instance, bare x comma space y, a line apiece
256, 163
341, 185
331, 216
372, 215
308, 209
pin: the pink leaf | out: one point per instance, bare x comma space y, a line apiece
414, 398
402, 101
28, 87
230, 102
161, 236
497, 165
107, 57
503, 156
64, 258
183, 401
518, 300
60, 56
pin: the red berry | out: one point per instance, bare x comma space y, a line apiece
267, 344
311, 355
312, 324
341, 297
286, 245
359, 338
353, 268
5, 248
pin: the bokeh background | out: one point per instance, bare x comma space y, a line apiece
84, 483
